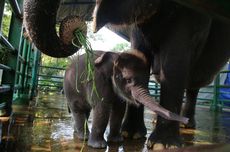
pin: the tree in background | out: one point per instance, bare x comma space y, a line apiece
121, 47
6, 19
47, 82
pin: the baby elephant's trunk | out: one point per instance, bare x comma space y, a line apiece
143, 96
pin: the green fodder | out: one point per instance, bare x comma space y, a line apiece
84, 140
79, 40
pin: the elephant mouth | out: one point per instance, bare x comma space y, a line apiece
40, 24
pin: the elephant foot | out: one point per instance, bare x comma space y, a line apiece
133, 126
97, 143
162, 141
134, 131
159, 143
81, 135
117, 138
134, 135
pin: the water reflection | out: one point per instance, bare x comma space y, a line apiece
46, 125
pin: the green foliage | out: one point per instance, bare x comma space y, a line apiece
52, 62
80, 38
121, 47
4, 53
6, 19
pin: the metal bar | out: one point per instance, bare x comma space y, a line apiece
225, 71
206, 92
224, 92
4, 67
34, 79
223, 86
224, 100
50, 76
58, 68
49, 85
6, 42
4, 88
16, 9
155, 94
21, 59
17, 87
205, 99
215, 106
28, 75
49, 81
2, 106
19, 73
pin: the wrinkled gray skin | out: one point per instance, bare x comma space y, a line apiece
39, 19
117, 76
186, 50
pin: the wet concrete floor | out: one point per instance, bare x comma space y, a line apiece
46, 126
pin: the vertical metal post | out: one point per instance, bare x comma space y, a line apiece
16, 8
23, 65
20, 50
35, 70
215, 105
27, 67
11, 62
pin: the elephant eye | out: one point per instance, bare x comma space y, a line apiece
128, 80
118, 76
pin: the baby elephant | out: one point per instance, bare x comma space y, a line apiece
118, 77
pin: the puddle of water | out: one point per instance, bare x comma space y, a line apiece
46, 125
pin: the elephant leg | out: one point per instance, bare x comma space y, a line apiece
175, 62
189, 107
81, 130
101, 112
166, 133
133, 125
117, 114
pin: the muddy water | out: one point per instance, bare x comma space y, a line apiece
45, 125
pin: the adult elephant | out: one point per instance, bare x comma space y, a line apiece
186, 49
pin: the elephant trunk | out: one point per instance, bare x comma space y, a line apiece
143, 96
40, 23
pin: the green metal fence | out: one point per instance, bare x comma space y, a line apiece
19, 62
50, 83
213, 91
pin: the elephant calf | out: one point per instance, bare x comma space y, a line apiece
117, 77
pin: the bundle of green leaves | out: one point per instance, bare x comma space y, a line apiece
81, 38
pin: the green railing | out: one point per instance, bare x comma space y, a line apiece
213, 91
20, 62
50, 83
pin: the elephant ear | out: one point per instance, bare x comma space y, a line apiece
105, 58
105, 62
